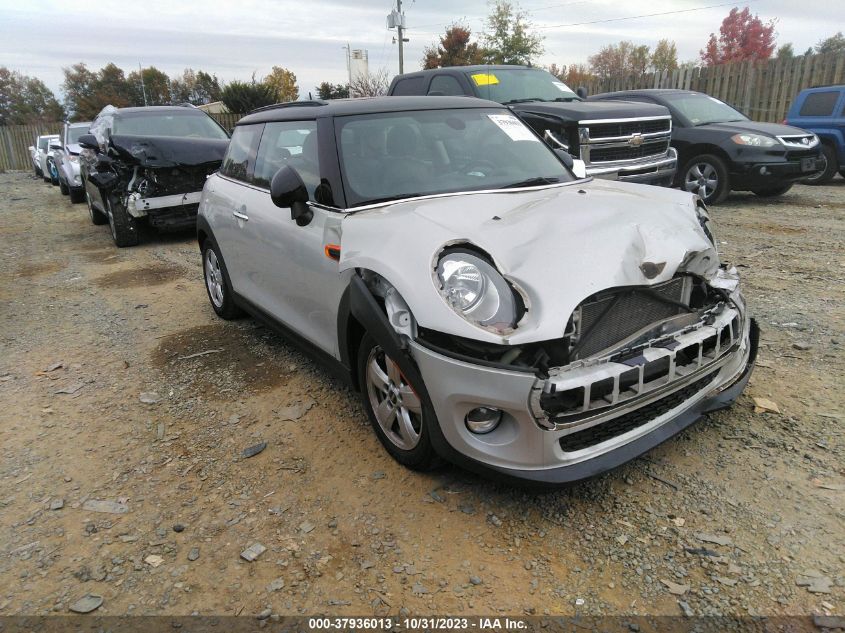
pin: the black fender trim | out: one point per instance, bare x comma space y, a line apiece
366, 309
203, 227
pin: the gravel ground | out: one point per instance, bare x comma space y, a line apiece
126, 407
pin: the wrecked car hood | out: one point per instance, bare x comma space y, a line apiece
592, 110
168, 151
559, 245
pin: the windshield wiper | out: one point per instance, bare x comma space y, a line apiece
524, 100
566, 99
532, 182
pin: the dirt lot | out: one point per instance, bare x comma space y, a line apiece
118, 384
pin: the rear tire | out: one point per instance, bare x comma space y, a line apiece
77, 195
706, 176
124, 228
399, 413
830, 169
773, 192
218, 285
63, 188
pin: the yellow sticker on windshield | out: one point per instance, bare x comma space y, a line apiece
485, 79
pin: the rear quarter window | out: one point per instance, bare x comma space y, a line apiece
409, 87
819, 103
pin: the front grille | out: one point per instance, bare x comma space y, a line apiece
628, 128
599, 154
617, 426
615, 317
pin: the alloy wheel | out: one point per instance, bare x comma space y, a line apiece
214, 278
702, 179
396, 405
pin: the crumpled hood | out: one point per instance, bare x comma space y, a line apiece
168, 151
558, 245
73, 148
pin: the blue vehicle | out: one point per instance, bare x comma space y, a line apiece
822, 111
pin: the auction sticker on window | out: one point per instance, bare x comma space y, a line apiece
513, 127
485, 79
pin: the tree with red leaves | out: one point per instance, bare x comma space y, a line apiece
741, 36
454, 49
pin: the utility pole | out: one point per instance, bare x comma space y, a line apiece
143, 89
400, 30
396, 20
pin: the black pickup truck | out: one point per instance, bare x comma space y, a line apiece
616, 140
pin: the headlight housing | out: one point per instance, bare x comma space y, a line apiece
73, 158
477, 291
754, 140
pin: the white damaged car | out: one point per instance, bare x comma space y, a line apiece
492, 307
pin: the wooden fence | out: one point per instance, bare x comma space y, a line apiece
763, 91
15, 140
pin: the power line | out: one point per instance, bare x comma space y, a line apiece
644, 15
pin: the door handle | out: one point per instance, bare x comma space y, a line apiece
240, 216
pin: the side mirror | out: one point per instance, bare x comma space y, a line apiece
31, 149
565, 157
287, 190
89, 141
579, 168
581, 92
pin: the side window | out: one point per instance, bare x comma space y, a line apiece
291, 143
445, 85
410, 86
819, 103
240, 157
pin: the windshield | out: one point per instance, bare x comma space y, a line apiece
42, 143
73, 133
520, 84
187, 124
406, 154
699, 109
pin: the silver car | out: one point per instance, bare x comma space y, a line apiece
67, 160
492, 307
42, 157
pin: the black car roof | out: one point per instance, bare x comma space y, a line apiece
156, 109
305, 110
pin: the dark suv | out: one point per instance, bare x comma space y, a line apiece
822, 111
618, 141
720, 149
148, 164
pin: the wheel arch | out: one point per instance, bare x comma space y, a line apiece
698, 149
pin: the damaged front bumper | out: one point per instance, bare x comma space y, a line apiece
174, 211
628, 417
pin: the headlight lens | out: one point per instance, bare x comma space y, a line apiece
754, 140
476, 291
73, 158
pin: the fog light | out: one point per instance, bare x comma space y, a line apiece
764, 171
483, 420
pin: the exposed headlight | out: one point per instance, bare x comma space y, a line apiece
755, 140
476, 290
73, 158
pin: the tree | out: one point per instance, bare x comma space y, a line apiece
785, 51
327, 90
508, 38
79, 87
369, 85
832, 44
283, 81
639, 60
614, 60
741, 37
665, 56
156, 86
25, 99
454, 49
207, 87
241, 97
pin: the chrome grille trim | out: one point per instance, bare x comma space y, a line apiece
635, 140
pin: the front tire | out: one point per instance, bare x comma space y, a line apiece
54, 173
77, 195
773, 191
399, 413
218, 285
63, 188
707, 176
124, 228
831, 166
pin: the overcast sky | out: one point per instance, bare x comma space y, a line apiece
235, 39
